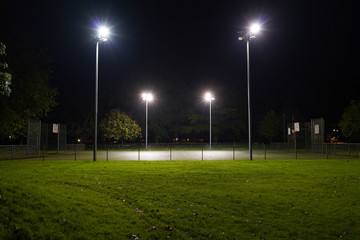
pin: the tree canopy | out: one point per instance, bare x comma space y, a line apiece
269, 126
31, 95
350, 122
119, 126
5, 77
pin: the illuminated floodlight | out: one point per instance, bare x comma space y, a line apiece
209, 97
103, 33
255, 28
147, 97
250, 34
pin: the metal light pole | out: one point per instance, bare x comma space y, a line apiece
209, 98
147, 110
247, 37
102, 37
147, 97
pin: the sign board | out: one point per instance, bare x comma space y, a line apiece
289, 131
55, 128
317, 128
297, 127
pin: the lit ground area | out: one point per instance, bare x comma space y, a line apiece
178, 155
170, 154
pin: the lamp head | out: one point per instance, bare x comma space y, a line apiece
250, 34
255, 28
209, 97
103, 33
147, 97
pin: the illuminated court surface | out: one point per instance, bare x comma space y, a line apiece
177, 155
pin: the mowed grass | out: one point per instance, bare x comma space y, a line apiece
263, 199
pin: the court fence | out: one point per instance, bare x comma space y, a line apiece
182, 152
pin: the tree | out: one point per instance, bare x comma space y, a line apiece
350, 122
119, 126
5, 78
192, 125
269, 126
229, 124
31, 95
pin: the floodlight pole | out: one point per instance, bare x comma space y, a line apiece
146, 97
210, 125
96, 97
102, 37
248, 91
210, 98
146, 124
247, 37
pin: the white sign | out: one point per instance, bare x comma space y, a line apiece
289, 131
297, 127
317, 129
55, 128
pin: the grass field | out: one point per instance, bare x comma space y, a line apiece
263, 199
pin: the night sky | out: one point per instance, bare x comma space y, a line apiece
307, 52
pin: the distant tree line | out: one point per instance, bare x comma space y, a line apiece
178, 112
227, 126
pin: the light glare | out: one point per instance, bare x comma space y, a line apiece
255, 28
147, 97
209, 97
103, 33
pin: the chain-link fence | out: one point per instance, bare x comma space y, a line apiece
53, 139
44, 135
33, 136
308, 135
12, 152
317, 134
170, 152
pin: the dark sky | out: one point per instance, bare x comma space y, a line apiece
308, 50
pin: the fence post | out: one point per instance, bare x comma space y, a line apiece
107, 153
326, 149
75, 152
12, 152
139, 153
312, 148
234, 152
264, 151
58, 142
170, 152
